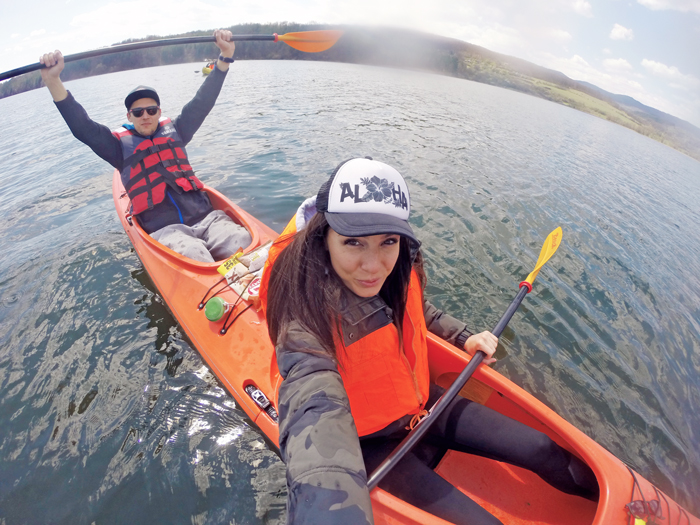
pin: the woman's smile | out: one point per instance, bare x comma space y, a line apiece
363, 263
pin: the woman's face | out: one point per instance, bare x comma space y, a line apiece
363, 263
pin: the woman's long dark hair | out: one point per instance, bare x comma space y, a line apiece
303, 287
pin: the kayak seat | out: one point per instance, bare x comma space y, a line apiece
219, 202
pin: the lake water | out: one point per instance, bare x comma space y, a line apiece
108, 414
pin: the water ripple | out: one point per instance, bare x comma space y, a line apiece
108, 412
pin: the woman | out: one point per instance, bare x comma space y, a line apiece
343, 294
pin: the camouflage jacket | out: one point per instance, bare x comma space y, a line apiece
326, 478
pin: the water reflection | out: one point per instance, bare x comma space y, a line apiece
167, 330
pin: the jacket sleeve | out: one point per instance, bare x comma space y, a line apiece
97, 137
326, 478
197, 109
445, 326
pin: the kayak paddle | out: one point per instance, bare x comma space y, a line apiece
307, 41
550, 246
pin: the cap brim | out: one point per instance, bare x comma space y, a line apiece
364, 224
141, 93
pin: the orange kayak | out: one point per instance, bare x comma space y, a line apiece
244, 361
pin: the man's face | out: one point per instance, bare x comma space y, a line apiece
145, 124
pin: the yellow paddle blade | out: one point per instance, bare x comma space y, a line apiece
311, 41
551, 243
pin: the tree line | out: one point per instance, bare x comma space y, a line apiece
375, 46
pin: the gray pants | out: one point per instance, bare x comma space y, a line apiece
214, 238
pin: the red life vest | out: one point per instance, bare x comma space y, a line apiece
151, 164
383, 382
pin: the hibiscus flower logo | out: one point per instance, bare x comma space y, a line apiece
378, 190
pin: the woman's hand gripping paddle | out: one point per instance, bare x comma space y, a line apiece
307, 41
550, 246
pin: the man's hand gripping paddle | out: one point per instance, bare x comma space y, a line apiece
550, 246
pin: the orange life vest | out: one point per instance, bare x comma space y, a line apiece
383, 382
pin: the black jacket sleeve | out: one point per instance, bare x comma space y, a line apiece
326, 477
197, 109
97, 137
445, 326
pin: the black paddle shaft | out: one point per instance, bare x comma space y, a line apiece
422, 427
131, 47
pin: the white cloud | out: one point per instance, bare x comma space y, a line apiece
560, 34
617, 65
580, 62
672, 74
36, 33
114, 18
494, 36
615, 81
684, 6
606, 51
621, 33
583, 8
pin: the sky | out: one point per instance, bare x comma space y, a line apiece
647, 49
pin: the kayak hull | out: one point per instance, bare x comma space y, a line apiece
244, 356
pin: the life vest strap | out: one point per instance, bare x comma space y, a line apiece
160, 168
146, 188
169, 177
140, 155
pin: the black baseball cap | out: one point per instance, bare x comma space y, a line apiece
141, 92
366, 197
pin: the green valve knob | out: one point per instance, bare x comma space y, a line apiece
215, 308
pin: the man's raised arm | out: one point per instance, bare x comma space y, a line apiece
51, 74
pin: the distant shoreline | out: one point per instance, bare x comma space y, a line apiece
404, 49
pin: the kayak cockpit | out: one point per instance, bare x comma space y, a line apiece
512, 494
219, 202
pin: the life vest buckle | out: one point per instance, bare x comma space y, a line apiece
417, 418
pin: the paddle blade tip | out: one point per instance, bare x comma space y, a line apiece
312, 41
550, 246
555, 239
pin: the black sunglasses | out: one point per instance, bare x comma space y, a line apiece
137, 112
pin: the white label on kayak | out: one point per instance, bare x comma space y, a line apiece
254, 288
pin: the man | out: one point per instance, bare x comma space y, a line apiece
149, 153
